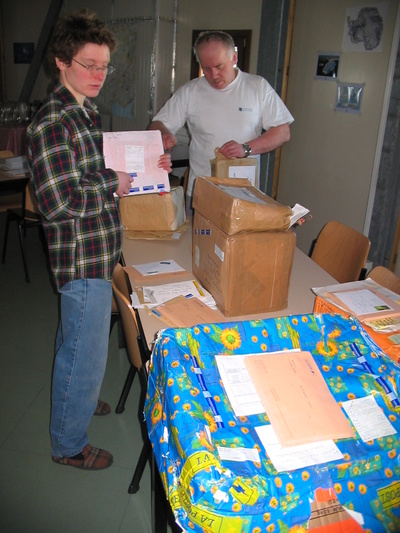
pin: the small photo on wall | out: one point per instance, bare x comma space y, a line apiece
348, 97
327, 66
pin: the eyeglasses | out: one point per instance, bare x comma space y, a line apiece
94, 69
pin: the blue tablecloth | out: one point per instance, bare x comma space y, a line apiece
186, 405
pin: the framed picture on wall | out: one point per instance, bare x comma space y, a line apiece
348, 97
327, 66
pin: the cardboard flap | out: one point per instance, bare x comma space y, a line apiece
234, 206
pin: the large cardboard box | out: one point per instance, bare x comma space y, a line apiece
244, 167
246, 273
233, 205
154, 212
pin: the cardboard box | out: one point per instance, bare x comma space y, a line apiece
233, 205
154, 212
244, 167
246, 273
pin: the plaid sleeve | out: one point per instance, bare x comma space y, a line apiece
66, 184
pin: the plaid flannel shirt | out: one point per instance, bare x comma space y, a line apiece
73, 188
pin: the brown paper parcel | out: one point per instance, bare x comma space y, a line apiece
154, 212
247, 273
234, 206
222, 167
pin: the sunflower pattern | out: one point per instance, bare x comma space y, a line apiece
190, 419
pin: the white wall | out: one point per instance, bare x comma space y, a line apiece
328, 164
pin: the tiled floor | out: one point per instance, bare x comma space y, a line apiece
36, 495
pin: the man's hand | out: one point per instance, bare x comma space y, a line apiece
232, 149
124, 183
168, 138
165, 162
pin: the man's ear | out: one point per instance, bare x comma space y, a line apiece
234, 58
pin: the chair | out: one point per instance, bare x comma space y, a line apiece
386, 278
341, 251
27, 216
138, 354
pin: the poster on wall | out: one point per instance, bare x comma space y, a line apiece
364, 27
327, 66
348, 97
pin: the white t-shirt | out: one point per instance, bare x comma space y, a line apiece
240, 112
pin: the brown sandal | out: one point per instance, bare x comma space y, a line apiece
102, 409
90, 458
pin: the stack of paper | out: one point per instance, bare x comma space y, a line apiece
15, 165
368, 301
153, 295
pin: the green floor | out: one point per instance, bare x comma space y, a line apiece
36, 495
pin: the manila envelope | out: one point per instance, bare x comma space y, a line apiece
296, 398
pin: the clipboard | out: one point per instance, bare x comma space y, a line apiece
137, 153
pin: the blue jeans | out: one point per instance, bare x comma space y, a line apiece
80, 362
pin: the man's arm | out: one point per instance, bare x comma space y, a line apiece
266, 142
168, 138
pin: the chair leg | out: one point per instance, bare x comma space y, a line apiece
145, 455
125, 391
3, 259
21, 242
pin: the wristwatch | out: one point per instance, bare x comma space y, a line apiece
247, 150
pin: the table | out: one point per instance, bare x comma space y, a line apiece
305, 274
194, 432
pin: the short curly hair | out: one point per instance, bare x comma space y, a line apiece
74, 31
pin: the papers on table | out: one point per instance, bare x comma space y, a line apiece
158, 267
294, 457
238, 385
297, 405
153, 295
137, 153
15, 165
364, 413
368, 418
368, 301
185, 312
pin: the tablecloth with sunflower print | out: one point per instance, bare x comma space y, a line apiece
189, 417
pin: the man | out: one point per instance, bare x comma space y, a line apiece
75, 194
223, 104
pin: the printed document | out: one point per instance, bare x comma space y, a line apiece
137, 153
368, 418
294, 457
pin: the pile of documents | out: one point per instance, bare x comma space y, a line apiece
372, 304
300, 434
171, 294
15, 165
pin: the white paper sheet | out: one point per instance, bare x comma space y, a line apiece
158, 294
363, 302
239, 386
294, 457
241, 171
368, 418
238, 454
158, 267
